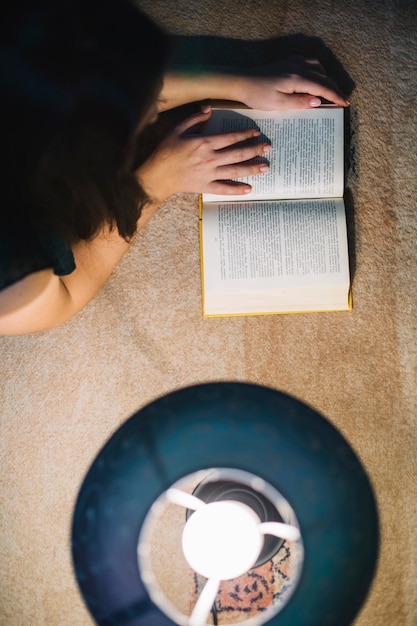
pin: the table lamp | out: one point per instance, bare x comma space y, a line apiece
249, 469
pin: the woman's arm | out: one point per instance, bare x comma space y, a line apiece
42, 300
294, 83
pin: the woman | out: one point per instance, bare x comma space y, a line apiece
80, 80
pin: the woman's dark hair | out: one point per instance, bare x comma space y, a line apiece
77, 77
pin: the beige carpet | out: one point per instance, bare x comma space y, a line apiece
64, 392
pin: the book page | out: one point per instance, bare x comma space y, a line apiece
258, 247
306, 160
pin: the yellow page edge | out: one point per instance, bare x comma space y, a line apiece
348, 308
200, 210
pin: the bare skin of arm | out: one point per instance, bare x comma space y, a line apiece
181, 163
42, 300
294, 83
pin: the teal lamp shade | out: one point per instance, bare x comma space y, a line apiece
252, 429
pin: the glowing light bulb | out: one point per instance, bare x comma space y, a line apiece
222, 540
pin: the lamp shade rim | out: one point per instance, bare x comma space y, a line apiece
238, 425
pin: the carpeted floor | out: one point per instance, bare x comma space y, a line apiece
64, 392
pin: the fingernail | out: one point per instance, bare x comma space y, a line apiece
264, 168
256, 133
315, 102
206, 108
266, 147
247, 190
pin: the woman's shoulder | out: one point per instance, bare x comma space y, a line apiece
23, 301
24, 251
31, 262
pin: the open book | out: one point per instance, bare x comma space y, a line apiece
283, 247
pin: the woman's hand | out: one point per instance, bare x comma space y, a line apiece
294, 83
185, 162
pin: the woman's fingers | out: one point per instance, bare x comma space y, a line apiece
233, 159
229, 149
219, 141
194, 120
240, 170
226, 140
228, 188
240, 153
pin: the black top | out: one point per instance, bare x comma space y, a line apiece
24, 251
